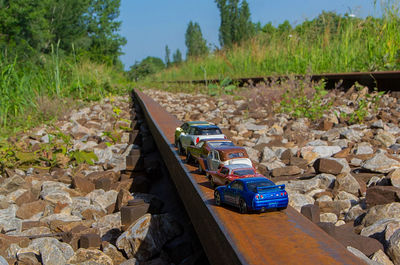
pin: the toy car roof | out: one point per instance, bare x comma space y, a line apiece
237, 166
205, 126
197, 122
224, 152
256, 179
215, 140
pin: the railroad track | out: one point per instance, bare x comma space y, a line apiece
227, 236
384, 81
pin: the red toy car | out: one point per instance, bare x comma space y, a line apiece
228, 173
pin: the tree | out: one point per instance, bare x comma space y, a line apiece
195, 43
177, 57
102, 29
167, 56
148, 66
235, 22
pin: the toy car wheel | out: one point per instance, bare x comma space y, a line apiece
242, 206
189, 158
282, 208
180, 149
217, 198
200, 168
212, 183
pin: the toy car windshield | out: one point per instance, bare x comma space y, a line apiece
235, 155
244, 172
210, 131
218, 144
259, 184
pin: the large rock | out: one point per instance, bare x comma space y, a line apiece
386, 138
8, 221
326, 180
107, 223
378, 212
52, 251
312, 153
355, 212
145, 238
333, 166
346, 182
361, 256
339, 207
297, 200
381, 258
301, 186
394, 177
90, 257
287, 171
382, 229
377, 195
103, 199
381, 163
394, 247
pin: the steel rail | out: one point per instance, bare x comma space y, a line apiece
227, 236
384, 81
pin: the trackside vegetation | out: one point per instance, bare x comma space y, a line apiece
55, 54
328, 43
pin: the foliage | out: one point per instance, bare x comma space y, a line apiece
195, 43
308, 104
167, 56
235, 22
177, 57
56, 152
225, 86
86, 27
328, 43
148, 66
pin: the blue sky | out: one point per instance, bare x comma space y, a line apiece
149, 25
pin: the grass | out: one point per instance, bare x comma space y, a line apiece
36, 92
350, 44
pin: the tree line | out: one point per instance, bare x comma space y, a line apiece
235, 27
83, 27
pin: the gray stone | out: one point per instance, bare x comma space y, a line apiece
108, 222
60, 217
363, 148
361, 256
381, 258
346, 182
381, 163
254, 154
52, 251
391, 210
268, 155
297, 200
342, 195
326, 180
328, 217
352, 135
102, 198
354, 213
394, 247
301, 186
90, 257
386, 138
378, 125
149, 231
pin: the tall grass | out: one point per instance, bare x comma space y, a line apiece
26, 85
354, 44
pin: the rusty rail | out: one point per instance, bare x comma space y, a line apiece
384, 81
227, 236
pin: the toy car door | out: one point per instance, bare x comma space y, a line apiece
186, 139
213, 161
229, 194
221, 176
238, 189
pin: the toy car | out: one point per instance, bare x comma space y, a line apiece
197, 133
258, 194
203, 148
227, 174
184, 128
224, 155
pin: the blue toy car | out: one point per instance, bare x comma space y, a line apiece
257, 194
